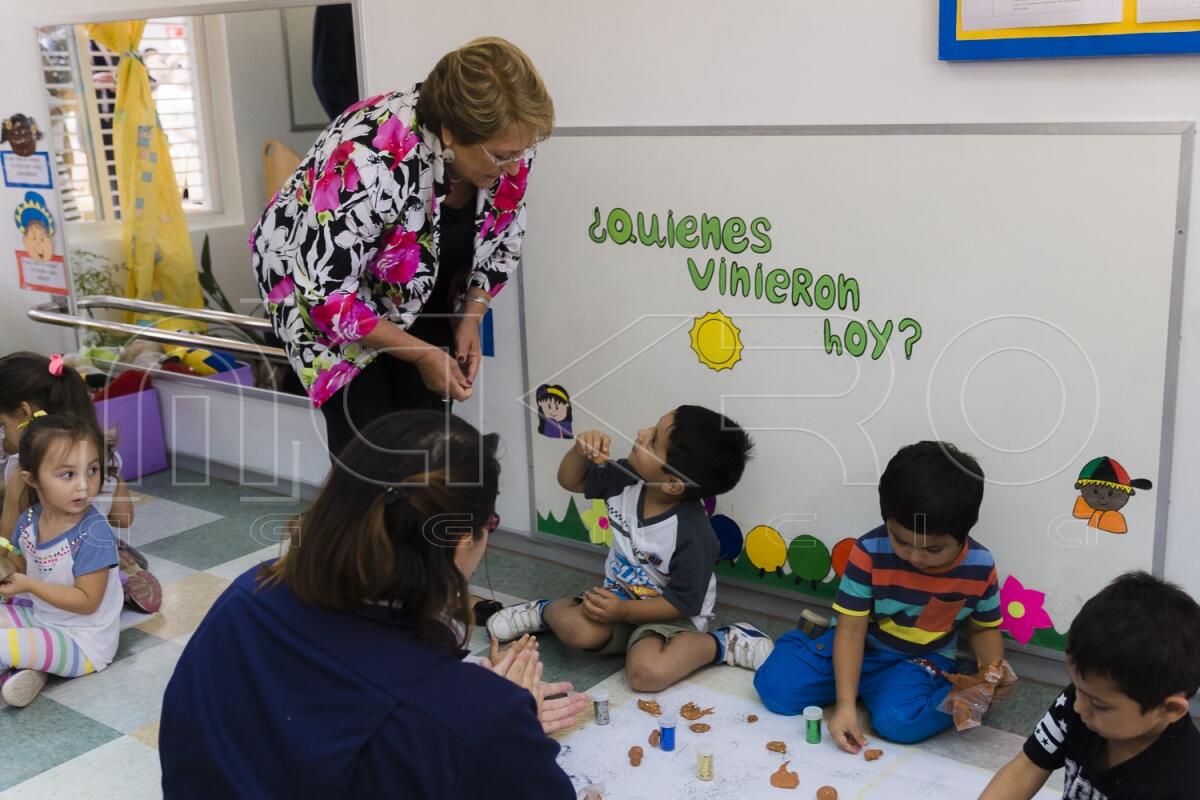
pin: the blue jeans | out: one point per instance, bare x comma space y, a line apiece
901, 695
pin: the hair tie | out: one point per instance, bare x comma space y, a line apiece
39, 413
394, 494
56, 365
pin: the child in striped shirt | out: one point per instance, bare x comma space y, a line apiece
907, 587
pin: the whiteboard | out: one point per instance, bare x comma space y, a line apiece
1012, 289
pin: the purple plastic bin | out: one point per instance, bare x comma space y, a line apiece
243, 376
137, 422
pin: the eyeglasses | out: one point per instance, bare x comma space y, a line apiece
504, 162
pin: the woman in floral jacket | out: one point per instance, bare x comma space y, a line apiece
379, 256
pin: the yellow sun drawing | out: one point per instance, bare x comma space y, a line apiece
717, 341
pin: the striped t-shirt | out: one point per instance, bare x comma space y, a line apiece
916, 611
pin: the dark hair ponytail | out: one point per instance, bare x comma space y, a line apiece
385, 527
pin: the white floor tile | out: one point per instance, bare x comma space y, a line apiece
126, 695
119, 770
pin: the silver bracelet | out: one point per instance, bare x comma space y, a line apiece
486, 302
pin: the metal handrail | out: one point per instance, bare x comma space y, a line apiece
52, 314
149, 307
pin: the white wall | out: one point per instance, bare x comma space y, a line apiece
768, 62
787, 62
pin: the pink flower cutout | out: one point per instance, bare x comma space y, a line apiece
361, 104
399, 259
344, 318
394, 137
1022, 610
512, 189
330, 380
281, 291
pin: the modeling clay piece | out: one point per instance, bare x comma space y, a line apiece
827, 793
694, 712
777, 747
650, 707
635, 756
873, 754
752, 718
700, 727
655, 737
782, 779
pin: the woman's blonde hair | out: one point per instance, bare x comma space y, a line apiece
483, 90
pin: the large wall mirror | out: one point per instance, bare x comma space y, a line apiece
241, 97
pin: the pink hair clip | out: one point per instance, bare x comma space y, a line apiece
56, 365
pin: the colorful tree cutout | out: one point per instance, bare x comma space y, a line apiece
595, 519
1022, 610
809, 559
841, 555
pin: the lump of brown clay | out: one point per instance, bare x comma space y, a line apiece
700, 727
827, 793
777, 747
752, 718
782, 779
693, 712
635, 756
650, 707
873, 754
655, 737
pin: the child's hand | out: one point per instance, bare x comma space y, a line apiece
843, 727
1004, 678
593, 445
15, 584
601, 605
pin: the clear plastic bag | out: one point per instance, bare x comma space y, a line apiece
972, 695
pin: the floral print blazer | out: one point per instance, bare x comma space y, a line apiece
353, 237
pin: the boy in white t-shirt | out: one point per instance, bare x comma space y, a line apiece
658, 592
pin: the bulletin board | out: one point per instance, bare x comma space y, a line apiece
972, 30
843, 291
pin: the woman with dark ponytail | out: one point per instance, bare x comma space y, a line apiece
337, 670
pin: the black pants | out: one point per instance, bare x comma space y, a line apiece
386, 385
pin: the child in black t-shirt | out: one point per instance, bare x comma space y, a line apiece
1121, 729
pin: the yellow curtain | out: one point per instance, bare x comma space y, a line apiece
158, 250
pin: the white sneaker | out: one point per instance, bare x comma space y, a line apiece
746, 646
516, 621
22, 687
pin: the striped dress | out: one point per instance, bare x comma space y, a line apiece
917, 612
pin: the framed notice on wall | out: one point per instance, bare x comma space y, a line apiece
976, 30
42, 274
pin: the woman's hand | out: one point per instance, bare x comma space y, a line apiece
559, 713
441, 374
466, 345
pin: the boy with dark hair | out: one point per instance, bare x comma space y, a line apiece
908, 585
659, 589
1121, 729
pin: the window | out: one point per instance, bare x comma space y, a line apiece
80, 78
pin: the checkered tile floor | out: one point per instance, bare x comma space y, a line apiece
96, 737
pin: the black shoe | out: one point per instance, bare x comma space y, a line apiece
484, 610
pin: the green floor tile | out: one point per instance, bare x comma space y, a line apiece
244, 530
214, 495
44, 735
135, 641
1022, 711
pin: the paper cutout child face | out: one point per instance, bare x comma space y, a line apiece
554, 412
22, 133
1105, 488
36, 225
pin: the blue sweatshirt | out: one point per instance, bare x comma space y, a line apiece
274, 697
